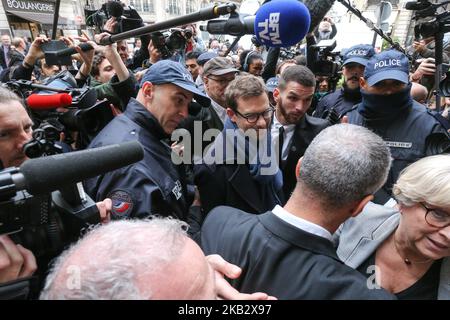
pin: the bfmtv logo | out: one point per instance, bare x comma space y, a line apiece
270, 29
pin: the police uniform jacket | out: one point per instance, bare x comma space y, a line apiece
153, 185
408, 137
280, 259
339, 100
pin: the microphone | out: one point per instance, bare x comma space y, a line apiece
417, 5
280, 23
49, 101
47, 174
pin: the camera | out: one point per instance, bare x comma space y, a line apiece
328, 63
85, 115
126, 16
170, 41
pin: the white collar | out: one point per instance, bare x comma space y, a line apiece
221, 111
300, 223
277, 124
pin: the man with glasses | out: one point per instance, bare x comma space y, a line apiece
292, 129
240, 169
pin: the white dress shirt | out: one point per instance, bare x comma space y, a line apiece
302, 224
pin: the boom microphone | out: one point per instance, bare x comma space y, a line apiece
49, 101
279, 23
47, 174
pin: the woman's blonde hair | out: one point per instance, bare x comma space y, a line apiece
426, 180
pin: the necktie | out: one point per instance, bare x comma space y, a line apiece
280, 144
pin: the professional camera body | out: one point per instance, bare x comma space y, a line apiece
44, 224
85, 115
171, 41
328, 62
126, 16
431, 23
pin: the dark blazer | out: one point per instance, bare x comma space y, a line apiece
231, 185
2, 58
304, 133
280, 259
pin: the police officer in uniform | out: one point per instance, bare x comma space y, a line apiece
343, 100
388, 109
154, 185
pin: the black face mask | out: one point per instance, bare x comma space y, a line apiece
377, 107
351, 94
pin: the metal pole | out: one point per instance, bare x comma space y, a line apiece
55, 19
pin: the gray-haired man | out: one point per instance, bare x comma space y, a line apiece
288, 252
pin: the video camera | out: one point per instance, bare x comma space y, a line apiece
171, 41
126, 16
328, 63
83, 114
431, 23
43, 205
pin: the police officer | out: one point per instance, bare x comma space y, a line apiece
388, 109
355, 60
155, 185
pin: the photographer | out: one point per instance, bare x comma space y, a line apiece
15, 131
355, 60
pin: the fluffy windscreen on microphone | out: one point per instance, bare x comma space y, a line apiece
114, 8
282, 23
49, 101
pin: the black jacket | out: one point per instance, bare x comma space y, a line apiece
339, 100
305, 132
153, 185
231, 185
280, 259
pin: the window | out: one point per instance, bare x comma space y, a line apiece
137, 4
148, 6
174, 7
205, 4
190, 6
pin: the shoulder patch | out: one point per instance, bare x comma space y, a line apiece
122, 204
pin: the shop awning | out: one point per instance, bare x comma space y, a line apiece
42, 18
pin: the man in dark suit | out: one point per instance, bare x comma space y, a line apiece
5, 47
233, 173
288, 252
292, 129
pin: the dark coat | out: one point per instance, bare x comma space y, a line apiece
280, 259
153, 185
231, 185
304, 133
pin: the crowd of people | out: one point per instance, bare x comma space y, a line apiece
254, 170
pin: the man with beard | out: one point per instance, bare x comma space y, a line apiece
355, 61
292, 129
387, 108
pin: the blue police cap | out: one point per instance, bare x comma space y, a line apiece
168, 71
387, 65
360, 53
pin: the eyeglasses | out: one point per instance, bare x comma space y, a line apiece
223, 81
253, 117
436, 218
